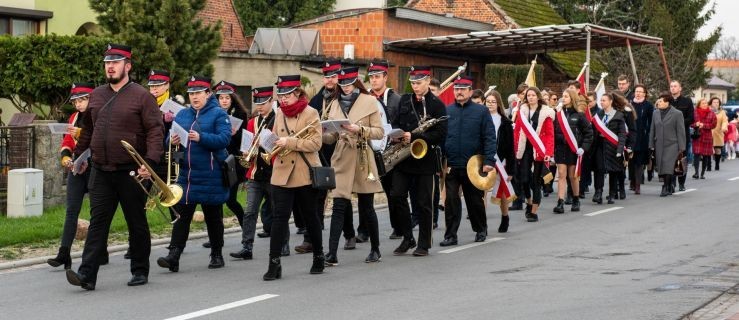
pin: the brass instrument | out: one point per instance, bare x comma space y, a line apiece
253, 151
417, 148
165, 194
481, 180
304, 133
170, 162
362, 145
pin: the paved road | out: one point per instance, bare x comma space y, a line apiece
656, 258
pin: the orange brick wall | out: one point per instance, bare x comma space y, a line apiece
231, 30
364, 31
397, 29
478, 10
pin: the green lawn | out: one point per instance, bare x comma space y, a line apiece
48, 227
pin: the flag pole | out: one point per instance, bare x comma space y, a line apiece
451, 78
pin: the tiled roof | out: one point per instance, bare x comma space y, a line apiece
722, 63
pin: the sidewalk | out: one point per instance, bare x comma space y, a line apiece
723, 307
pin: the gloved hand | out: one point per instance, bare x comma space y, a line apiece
580, 151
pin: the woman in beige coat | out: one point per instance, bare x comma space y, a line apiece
353, 160
291, 182
722, 125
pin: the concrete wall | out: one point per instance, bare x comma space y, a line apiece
21, 4
69, 15
701, 93
47, 159
252, 70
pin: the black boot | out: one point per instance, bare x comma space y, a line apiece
285, 250
216, 259
374, 256
665, 191
611, 196
274, 271
62, 258
575, 204
245, 253
330, 260
598, 196
568, 199
319, 263
717, 160
622, 193
527, 214
560, 208
503, 228
172, 260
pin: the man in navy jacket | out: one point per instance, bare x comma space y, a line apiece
470, 131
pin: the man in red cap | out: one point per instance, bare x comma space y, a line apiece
120, 110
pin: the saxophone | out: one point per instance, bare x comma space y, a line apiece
417, 148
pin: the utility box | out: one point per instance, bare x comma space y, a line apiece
25, 192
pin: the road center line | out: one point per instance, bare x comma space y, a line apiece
471, 245
223, 307
734, 178
686, 191
603, 211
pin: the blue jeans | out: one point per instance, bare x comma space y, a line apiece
256, 191
76, 189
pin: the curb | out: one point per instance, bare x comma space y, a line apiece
123, 247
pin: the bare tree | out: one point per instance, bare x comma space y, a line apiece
726, 49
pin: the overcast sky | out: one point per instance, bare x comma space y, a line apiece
726, 15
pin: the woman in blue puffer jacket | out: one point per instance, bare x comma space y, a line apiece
201, 178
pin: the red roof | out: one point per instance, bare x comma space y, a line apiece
232, 33
722, 63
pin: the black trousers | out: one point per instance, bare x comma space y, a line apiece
473, 198
107, 190
213, 221
387, 186
282, 201
233, 203
342, 209
347, 228
614, 181
424, 185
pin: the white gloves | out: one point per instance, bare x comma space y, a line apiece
580, 151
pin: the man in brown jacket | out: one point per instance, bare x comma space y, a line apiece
119, 110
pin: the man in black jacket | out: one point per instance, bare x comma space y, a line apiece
414, 108
470, 131
684, 105
377, 72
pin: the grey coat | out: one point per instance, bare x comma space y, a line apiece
667, 139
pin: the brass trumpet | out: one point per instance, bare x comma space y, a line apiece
304, 133
253, 151
162, 193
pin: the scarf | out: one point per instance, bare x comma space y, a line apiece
294, 109
703, 112
328, 94
162, 98
637, 100
347, 100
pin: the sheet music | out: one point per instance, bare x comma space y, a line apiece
179, 131
235, 123
246, 139
170, 105
80, 160
58, 128
381, 144
331, 126
267, 139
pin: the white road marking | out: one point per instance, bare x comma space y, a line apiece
603, 211
471, 245
681, 192
734, 178
223, 307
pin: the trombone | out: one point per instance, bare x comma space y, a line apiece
160, 192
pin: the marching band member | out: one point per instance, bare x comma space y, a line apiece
76, 181
233, 106
209, 133
377, 73
120, 109
259, 172
533, 139
470, 131
291, 180
612, 130
572, 137
415, 108
322, 102
353, 160
504, 149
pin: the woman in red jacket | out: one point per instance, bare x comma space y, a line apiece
533, 139
705, 121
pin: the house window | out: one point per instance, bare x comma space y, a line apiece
22, 27
4, 27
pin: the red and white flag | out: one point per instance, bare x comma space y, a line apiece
503, 189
